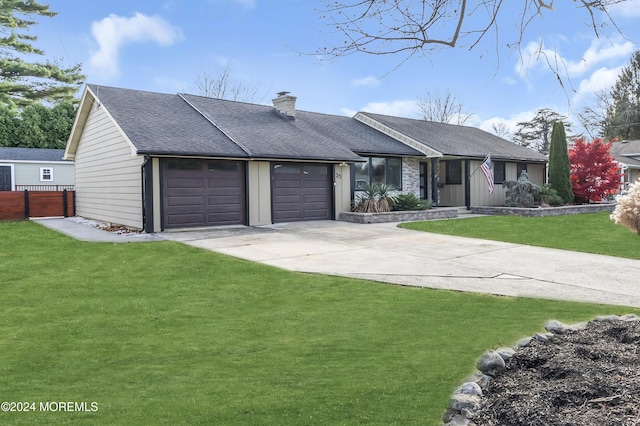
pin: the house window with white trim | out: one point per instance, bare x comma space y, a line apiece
46, 174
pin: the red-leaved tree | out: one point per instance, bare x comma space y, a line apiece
595, 175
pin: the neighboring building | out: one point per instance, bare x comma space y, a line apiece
158, 161
35, 169
627, 153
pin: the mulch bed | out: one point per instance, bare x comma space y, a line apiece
584, 377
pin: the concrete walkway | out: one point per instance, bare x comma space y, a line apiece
386, 253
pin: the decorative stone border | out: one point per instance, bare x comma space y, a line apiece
403, 216
543, 211
467, 397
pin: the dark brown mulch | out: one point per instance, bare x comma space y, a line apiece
585, 377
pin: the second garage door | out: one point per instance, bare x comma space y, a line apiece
301, 192
203, 193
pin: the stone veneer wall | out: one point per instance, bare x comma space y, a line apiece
404, 216
543, 211
411, 176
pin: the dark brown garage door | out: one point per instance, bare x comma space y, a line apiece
301, 192
203, 193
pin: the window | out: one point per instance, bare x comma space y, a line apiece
46, 174
378, 170
184, 165
453, 175
223, 166
522, 167
499, 171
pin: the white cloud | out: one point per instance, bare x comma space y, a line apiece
537, 56
602, 79
114, 32
368, 81
398, 108
597, 53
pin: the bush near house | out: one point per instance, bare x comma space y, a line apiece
409, 202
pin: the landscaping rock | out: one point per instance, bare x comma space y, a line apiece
469, 388
490, 363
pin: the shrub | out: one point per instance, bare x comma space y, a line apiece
548, 196
375, 198
405, 202
521, 192
627, 211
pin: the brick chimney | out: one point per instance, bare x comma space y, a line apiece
285, 104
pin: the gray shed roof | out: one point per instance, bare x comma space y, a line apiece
31, 154
627, 152
454, 140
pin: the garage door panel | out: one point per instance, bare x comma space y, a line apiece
184, 220
182, 183
315, 199
203, 193
185, 201
293, 184
228, 200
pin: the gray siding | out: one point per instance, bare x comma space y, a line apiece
29, 173
108, 173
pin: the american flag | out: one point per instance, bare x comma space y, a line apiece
487, 170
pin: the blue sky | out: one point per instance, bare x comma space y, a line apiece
161, 45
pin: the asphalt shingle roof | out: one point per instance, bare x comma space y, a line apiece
454, 140
627, 152
31, 154
163, 124
266, 134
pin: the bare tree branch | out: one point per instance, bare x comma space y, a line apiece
442, 108
222, 86
388, 27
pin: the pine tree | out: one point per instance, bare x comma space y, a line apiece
23, 81
595, 175
535, 134
559, 167
623, 113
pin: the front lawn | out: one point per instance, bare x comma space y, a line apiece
591, 233
164, 333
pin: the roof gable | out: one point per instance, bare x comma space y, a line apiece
454, 140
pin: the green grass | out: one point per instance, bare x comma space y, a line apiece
163, 333
590, 233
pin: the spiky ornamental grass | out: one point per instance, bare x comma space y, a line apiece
627, 211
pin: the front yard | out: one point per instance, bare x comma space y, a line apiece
590, 233
163, 333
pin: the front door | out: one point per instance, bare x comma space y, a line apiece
5, 178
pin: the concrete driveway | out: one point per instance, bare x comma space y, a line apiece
386, 253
